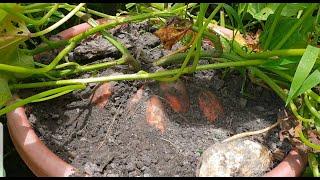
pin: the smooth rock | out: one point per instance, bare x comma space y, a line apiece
235, 159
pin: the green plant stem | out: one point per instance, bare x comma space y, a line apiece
313, 95
222, 21
180, 57
60, 66
199, 35
68, 6
32, 21
198, 43
272, 84
307, 142
311, 107
268, 54
53, 96
57, 24
37, 6
86, 68
73, 41
274, 24
125, 53
43, 48
314, 164
138, 76
307, 13
39, 96
294, 110
281, 74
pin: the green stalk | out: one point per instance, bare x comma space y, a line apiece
313, 95
53, 96
138, 76
199, 35
73, 41
222, 22
38, 96
308, 12
314, 164
90, 11
32, 21
57, 24
268, 54
269, 81
86, 68
40, 49
199, 23
307, 142
36, 6
294, 110
274, 24
311, 107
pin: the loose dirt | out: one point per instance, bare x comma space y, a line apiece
113, 142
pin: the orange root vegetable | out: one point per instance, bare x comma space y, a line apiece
210, 105
135, 99
155, 113
80, 28
102, 94
176, 95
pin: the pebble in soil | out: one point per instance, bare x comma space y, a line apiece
114, 142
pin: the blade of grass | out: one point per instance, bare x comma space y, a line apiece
231, 12
304, 68
310, 82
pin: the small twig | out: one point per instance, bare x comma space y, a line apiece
245, 134
176, 148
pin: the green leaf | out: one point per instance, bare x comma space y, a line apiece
5, 93
261, 11
312, 81
232, 13
299, 39
304, 68
281, 64
130, 5
13, 31
177, 5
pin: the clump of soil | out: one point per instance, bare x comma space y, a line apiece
113, 142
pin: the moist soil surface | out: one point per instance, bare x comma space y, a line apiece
113, 141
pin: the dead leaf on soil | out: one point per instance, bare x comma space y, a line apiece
314, 136
175, 29
252, 40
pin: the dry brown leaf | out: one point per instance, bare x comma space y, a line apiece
175, 29
314, 136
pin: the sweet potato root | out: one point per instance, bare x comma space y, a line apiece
210, 105
155, 113
135, 99
101, 95
176, 95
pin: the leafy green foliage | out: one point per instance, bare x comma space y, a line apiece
299, 39
304, 68
261, 11
281, 64
13, 32
5, 93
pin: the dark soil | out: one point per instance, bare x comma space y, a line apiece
113, 142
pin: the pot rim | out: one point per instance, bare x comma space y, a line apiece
46, 163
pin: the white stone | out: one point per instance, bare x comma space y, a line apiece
235, 158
